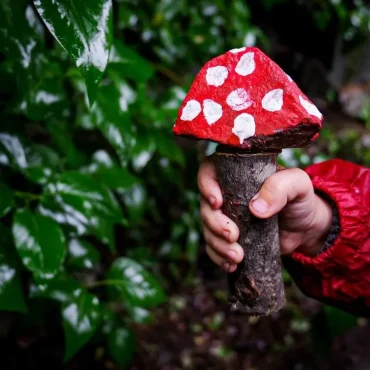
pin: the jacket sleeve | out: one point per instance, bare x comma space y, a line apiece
339, 275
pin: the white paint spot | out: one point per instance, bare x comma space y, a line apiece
238, 50
191, 110
216, 76
239, 99
244, 126
310, 108
289, 78
212, 111
246, 64
273, 100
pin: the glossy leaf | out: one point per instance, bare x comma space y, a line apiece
115, 177
40, 243
84, 29
121, 345
135, 200
42, 163
82, 254
86, 195
61, 288
12, 151
81, 317
11, 292
132, 282
110, 115
128, 63
6, 199
85, 204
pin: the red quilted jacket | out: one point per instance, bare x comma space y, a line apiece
340, 275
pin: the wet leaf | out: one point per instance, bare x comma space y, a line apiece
81, 317
143, 150
82, 254
121, 345
110, 115
6, 199
12, 151
128, 63
11, 293
86, 195
132, 282
84, 29
42, 163
40, 243
61, 288
135, 199
85, 204
45, 99
115, 177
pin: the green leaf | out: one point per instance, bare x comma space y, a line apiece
62, 139
132, 282
85, 204
82, 254
86, 195
6, 199
11, 293
110, 115
135, 199
61, 288
12, 151
338, 322
121, 345
167, 146
80, 309
81, 318
115, 177
40, 243
46, 98
84, 29
128, 63
43, 163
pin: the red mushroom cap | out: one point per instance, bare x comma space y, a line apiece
244, 99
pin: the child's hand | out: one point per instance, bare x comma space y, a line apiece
304, 217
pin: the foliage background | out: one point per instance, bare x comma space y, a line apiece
101, 258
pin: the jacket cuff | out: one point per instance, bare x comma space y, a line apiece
335, 226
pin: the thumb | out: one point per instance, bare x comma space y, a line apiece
292, 185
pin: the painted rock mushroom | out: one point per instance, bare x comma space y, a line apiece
247, 104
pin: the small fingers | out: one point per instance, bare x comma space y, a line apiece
220, 224
282, 187
233, 252
220, 261
208, 185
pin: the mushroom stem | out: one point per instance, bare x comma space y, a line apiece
256, 287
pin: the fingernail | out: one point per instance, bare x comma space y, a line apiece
227, 235
231, 254
226, 266
260, 206
212, 200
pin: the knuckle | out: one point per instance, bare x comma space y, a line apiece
272, 185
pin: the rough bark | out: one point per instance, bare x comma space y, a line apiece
256, 287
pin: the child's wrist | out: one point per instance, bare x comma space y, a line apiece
320, 228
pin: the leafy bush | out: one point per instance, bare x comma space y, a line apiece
94, 188
95, 191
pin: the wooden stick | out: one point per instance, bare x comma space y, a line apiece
256, 287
